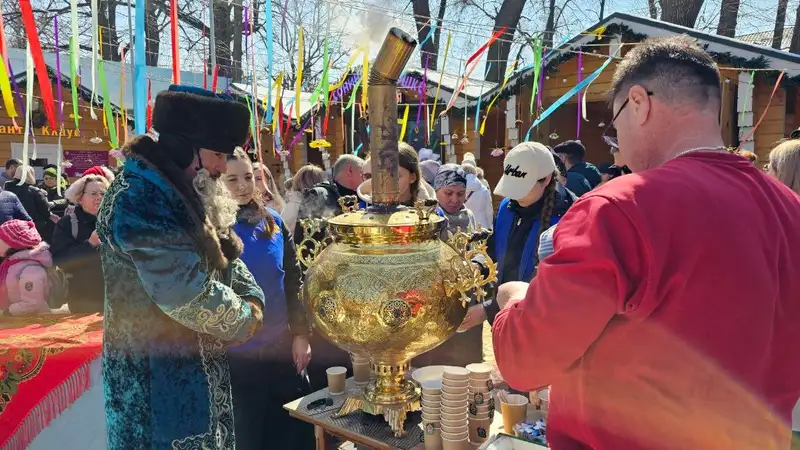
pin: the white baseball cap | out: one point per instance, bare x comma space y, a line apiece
523, 166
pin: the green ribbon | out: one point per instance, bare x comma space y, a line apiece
353, 94
112, 127
537, 67
252, 119
324, 81
73, 74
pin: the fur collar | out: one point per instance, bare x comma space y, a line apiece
218, 250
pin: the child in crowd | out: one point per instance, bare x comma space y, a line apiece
24, 269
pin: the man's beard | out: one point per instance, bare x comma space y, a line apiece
220, 207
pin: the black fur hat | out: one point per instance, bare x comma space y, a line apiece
207, 120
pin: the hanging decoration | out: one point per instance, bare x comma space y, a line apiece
567, 96
468, 70
489, 108
431, 30
112, 128
300, 133
252, 122
270, 37
58, 75
763, 114
353, 94
322, 87
254, 84
346, 75
581, 97
173, 33
3, 49
149, 104
298, 84
95, 31
5, 90
486, 46
20, 99
278, 96
404, 123
215, 78
29, 67
122, 108
73, 76
439, 86
140, 106
59, 151
422, 92
365, 79
537, 70
45, 87
480, 97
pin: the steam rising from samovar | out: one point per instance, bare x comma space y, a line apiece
382, 284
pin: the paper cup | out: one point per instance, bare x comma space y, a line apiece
455, 430
453, 382
361, 373
544, 400
460, 444
434, 403
358, 359
454, 389
431, 397
514, 410
432, 434
336, 380
455, 373
487, 384
454, 424
455, 410
457, 397
479, 430
430, 417
455, 403
479, 370
431, 387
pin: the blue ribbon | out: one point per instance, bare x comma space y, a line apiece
430, 34
268, 20
478, 109
140, 73
567, 96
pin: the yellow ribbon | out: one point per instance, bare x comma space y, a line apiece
489, 108
298, 84
439, 86
346, 70
276, 113
364, 79
5, 89
404, 122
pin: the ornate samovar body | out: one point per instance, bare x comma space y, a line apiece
382, 283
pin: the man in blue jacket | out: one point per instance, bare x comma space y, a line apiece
573, 154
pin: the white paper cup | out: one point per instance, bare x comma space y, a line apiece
458, 435
431, 417
454, 389
453, 382
487, 384
479, 370
455, 403
454, 424
337, 377
455, 373
459, 396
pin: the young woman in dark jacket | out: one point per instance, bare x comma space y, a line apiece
75, 245
266, 370
33, 199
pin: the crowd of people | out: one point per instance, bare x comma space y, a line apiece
629, 288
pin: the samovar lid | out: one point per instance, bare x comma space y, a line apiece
399, 226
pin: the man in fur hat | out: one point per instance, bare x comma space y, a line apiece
176, 292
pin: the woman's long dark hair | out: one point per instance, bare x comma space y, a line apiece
548, 208
255, 210
409, 160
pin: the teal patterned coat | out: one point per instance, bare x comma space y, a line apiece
168, 316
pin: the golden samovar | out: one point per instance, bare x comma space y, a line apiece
382, 283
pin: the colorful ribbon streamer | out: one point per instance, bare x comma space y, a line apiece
73, 76
112, 128
439, 86
298, 83
278, 96
365, 79
149, 106
45, 86
58, 75
567, 96
29, 66
140, 83
480, 97
346, 75
405, 123
5, 89
353, 95
422, 90
95, 31
505, 80
430, 32
485, 46
580, 96
270, 38
173, 33
322, 87
537, 70
301, 132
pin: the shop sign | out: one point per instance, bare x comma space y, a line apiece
43, 131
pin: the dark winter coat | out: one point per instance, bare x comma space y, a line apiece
73, 253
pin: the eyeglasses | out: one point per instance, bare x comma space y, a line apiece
612, 141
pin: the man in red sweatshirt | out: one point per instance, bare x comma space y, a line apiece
669, 315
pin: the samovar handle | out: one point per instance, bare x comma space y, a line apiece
424, 208
309, 248
348, 203
471, 246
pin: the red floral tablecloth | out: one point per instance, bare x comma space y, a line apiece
44, 368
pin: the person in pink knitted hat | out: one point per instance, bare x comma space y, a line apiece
23, 271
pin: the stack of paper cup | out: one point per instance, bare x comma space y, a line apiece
361, 370
431, 413
481, 402
455, 389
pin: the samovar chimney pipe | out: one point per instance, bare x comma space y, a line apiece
382, 94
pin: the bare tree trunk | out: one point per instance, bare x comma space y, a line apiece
728, 17
794, 47
550, 26
780, 22
681, 12
602, 9
422, 17
152, 34
228, 34
508, 16
107, 19
653, 10
236, 37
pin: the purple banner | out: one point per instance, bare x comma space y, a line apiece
82, 160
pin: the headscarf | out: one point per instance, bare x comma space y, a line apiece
429, 169
450, 175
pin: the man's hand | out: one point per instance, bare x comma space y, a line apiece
514, 290
257, 310
301, 352
94, 240
475, 316
54, 218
